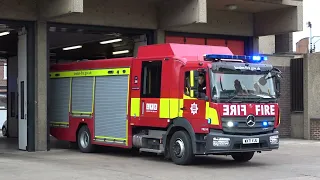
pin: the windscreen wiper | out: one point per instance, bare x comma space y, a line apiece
259, 100
221, 84
232, 98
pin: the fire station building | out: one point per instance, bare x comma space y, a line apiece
35, 34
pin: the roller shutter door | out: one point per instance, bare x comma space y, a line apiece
236, 46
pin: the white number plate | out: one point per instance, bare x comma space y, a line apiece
250, 141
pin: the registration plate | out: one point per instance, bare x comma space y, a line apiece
250, 141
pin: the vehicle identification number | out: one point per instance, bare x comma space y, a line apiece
250, 141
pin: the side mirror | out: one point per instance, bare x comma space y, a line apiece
262, 81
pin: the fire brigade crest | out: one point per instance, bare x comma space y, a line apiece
194, 108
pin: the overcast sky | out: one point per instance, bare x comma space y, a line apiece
311, 12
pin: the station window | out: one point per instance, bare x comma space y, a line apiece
151, 79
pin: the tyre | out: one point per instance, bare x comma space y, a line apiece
181, 148
242, 157
4, 131
84, 140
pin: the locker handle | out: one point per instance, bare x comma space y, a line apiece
142, 108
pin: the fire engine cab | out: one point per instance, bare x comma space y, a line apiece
177, 100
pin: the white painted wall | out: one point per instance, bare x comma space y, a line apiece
22, 76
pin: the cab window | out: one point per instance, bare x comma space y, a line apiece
195, 84
188, 84
151, 79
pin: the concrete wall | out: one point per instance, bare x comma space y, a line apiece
18, 10
306, 124
280, 43
279, 21
266, 44
120, 13
297, 124
283, 63
41, 75
312, 96
125, 13
222, 22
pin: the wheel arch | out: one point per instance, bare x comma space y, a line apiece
79, 127
176, 125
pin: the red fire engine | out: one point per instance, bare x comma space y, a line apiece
173, 99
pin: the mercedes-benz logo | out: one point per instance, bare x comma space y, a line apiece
251, 121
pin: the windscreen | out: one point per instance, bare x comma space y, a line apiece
231, 86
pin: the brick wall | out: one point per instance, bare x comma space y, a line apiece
285, 102
283, 43
302, 46
315, 129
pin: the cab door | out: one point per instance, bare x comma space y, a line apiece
194, 108
150, 88
148, 85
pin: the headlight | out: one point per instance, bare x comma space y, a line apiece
230, 124
216, 141
274, 139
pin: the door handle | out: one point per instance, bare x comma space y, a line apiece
142, 108
183, 108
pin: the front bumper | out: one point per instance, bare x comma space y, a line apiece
217, 143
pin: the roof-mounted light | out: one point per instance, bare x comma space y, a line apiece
249, 59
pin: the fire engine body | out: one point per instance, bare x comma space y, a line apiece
141, 102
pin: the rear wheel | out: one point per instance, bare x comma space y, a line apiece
84, 140
242, 157
181, 148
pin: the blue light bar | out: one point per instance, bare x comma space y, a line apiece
252, 59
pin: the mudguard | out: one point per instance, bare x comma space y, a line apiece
182, 122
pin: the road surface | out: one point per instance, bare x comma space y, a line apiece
296, 159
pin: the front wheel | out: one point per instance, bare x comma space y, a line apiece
242, 157
84, 140
181, 148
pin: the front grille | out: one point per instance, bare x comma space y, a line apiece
241, 127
